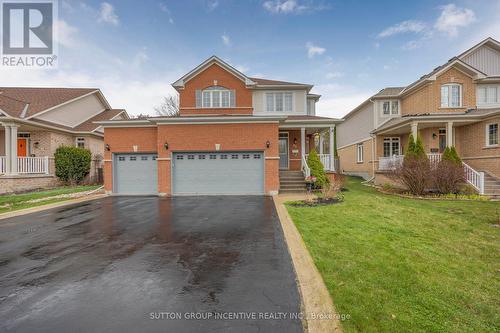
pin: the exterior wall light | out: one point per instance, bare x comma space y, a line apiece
165, 145
434, 135
108, 148
268, 144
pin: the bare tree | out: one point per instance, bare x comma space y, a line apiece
169, 107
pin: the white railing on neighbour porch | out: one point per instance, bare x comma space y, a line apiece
325, 160
33, 164
391, 162
474, 178
305, 168
2, 164
434, 158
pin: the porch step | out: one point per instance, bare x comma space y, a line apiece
491, 186
286, 190
292, 182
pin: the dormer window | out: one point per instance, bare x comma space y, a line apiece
215, 97
451, 95
390, 107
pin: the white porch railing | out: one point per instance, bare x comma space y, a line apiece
391, 162
2, 164
475, 178
33, 164
325, 160
305, 168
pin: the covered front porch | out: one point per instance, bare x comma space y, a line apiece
298, 137
21, 150
436, 135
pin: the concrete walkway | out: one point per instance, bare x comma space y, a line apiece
315, 297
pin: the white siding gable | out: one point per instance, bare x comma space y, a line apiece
486, 59
299, 106
75, 112
357, 127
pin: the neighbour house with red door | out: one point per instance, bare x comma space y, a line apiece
457, 104
235, 135
36, 121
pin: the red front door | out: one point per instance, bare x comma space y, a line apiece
21, 147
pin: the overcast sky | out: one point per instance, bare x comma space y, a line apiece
133, 50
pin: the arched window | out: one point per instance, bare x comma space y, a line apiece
215, 97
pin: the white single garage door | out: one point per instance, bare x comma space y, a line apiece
218, 173
135, 174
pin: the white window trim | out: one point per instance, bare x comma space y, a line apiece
460, 92
487, 132
359, 153
84, 141
274, 101
390, 114
391, 139
487, 104
211, 92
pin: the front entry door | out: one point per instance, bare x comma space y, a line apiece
283, 147
21, 147
442, 140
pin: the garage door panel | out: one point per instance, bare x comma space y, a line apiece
135, 174
218, 173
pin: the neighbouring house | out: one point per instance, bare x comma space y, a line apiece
35, 121
235, 135
457, 104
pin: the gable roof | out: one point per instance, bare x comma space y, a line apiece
27, 102
491, 42
389, 92
90, 125
207, 63
250, 82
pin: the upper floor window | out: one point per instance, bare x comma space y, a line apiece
80, 142
215, 97
390, 107
488, 94
451, 95
492, 134
279, 101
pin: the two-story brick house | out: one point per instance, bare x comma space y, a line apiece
233, 136
457, 104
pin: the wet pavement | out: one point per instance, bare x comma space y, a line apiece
113, 264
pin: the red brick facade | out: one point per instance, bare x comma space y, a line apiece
215, 75
202, 137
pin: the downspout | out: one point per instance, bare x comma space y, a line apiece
374, 141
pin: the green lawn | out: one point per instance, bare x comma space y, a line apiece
13, 202
406, 265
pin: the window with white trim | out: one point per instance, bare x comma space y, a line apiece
488, 94
359, 153
390, 107
492, 134
279, 102
451, 95
80, 142
391, 147
216, 97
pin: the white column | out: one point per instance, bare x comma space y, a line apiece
7, 149
449, 134
414, 130
332, 158
321, 139
13, 149
302, 142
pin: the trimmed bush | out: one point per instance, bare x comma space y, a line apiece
448, 175
450, 154
72, 163
415, 170
317, 169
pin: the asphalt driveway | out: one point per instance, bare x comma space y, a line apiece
147, 264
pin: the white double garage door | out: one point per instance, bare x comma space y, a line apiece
193, 173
